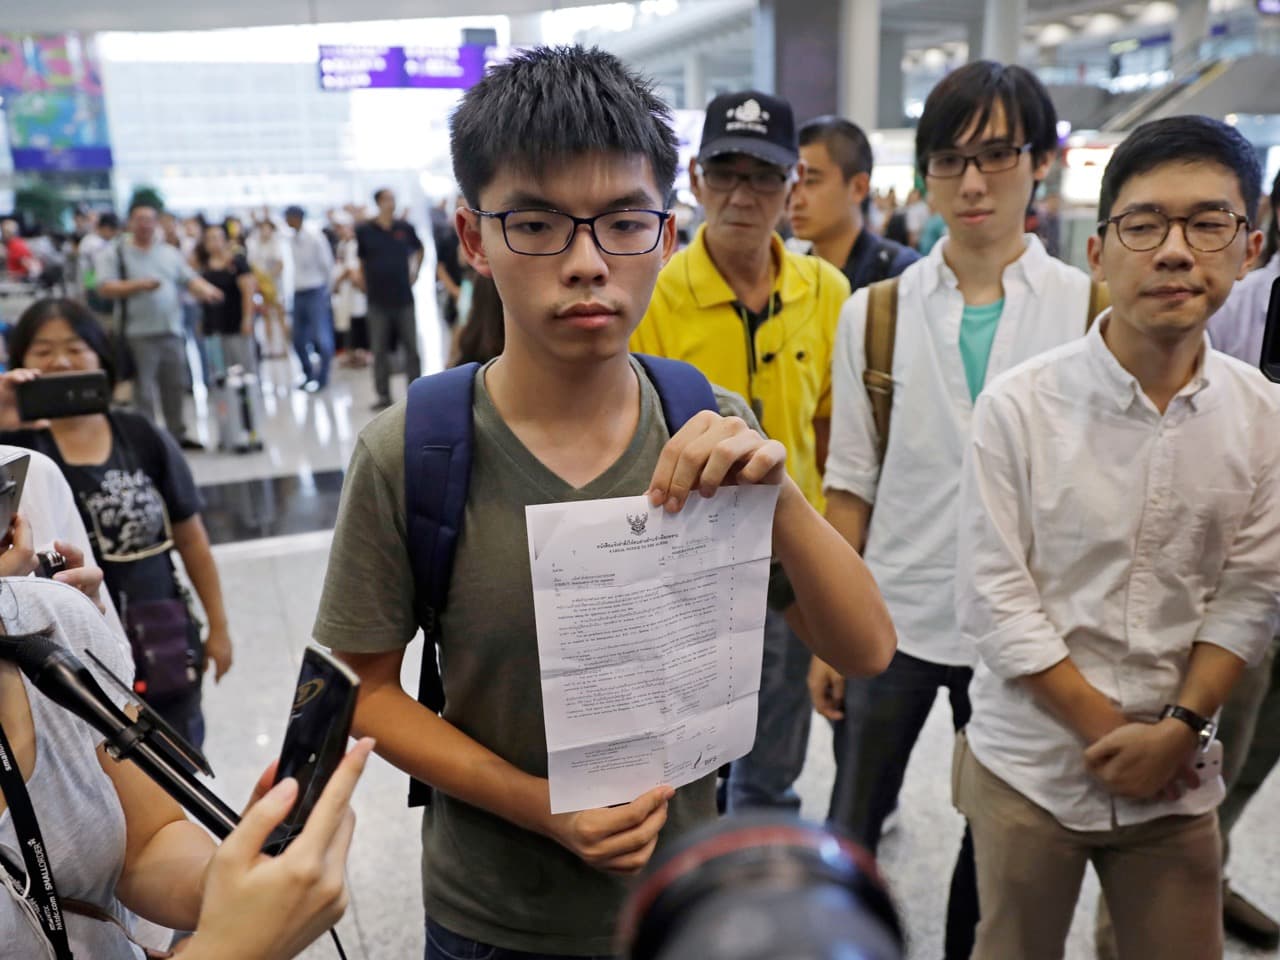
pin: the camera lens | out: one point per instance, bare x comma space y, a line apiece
762, 886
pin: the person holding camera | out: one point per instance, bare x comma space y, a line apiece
138, 500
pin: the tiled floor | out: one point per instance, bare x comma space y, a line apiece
272, 584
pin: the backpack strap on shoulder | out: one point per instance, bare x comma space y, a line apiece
1099, 300
881, 334
438, 446
683, 389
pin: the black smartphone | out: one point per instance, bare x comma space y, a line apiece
316, 739
13, 477
1270, 359
58, 395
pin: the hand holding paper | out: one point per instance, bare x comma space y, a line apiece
650, 637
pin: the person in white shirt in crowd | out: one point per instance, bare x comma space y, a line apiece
267, 255
986, 298
104, 232
917, 212
350, 305
312, 316
1120, 564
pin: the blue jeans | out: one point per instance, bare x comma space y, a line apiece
443, 944
763, 779
872, 744
313, 328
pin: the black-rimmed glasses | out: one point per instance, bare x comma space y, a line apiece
724, 180
1206, 230
545, 233
946, 164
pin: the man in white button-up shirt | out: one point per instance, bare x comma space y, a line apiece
1120, 562
985, 299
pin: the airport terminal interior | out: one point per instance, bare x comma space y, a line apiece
237, 111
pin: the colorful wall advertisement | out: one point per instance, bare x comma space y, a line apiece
53, 103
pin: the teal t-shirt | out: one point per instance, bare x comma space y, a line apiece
977, 332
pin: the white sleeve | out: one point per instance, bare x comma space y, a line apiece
998, 604
853, 463
1241, 615
50, 507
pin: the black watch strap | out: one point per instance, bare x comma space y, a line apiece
1203, 728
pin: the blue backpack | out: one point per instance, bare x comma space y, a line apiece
438, 439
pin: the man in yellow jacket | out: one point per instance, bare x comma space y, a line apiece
760, 321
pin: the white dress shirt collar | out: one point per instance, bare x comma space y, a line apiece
1029, 270
1122, 388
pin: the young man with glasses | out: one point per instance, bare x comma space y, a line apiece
566, 159
986, 298
1120, 564
759, 320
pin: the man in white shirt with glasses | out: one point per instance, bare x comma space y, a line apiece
1120, 563
986, 298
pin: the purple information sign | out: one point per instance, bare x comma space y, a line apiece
361, 68
358, 68
1269, 6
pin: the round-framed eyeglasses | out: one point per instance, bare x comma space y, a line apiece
1145, 230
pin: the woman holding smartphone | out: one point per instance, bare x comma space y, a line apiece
139, 503
114, 844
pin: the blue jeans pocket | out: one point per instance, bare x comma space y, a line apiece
444, 944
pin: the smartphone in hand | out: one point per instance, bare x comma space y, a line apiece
57, 395
13, 477
315, 740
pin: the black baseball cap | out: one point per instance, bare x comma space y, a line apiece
750, 122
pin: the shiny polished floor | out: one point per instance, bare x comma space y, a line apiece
270, 513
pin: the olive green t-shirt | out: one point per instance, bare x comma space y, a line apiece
483, 877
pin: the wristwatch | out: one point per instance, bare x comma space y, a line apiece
1205, 730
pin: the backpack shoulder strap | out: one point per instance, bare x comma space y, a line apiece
881, 333
1099, 300
438, 447
683, 389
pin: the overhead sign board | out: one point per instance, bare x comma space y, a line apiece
439, 68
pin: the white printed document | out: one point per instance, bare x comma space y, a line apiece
650, 637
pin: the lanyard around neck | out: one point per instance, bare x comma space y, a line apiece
35, 854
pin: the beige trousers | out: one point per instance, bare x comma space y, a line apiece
1162, 879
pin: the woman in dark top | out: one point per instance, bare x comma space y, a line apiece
139, 503
228, 326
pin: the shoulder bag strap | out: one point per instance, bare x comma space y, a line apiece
124, 275
881, 332
43, 894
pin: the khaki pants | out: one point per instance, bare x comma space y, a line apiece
1162, 879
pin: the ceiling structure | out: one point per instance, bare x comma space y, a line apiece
153, 15
61, 15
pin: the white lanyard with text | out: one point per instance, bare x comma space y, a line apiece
39, 877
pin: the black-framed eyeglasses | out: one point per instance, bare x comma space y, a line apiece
724, 180
536, 232
947, 164
1205, 230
